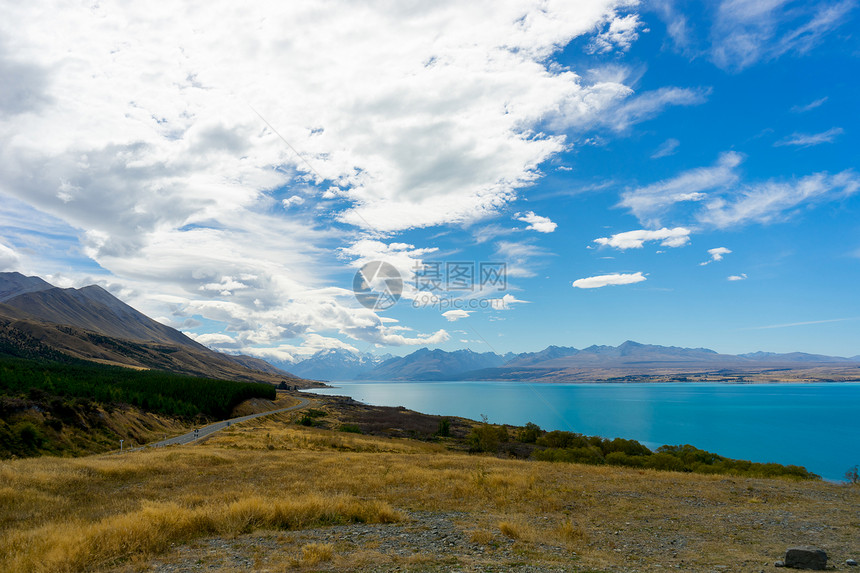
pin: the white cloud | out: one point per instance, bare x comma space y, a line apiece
810, 106
717, 254
454, 315
294, 200
677, 237
289, 353
716, 197
651, 202
505, 302
9, 259
677, 25
775, 201
490, 232
609, 280
536, 222
618, 109
131, 124
804, 323
749, 31
740, 277
667, 148
215, 340
619, 35
810, 139
518, 257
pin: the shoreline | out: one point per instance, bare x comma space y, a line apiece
674, 429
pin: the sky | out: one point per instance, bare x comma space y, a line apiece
534, 172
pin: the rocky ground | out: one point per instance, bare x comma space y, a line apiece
441, 541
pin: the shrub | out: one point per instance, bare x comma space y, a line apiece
622, 459
586, 455
529, 433
444, 428
664, 461
487, 438
350, 428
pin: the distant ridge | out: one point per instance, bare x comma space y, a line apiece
426, 364
627, 361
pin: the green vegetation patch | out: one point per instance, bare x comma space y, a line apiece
39, 398
571, 447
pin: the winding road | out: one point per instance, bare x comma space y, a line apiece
198, 433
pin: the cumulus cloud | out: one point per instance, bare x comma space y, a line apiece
677, 237
536, 222
168, 152
215, 340
619, 35
9, 259
609, 280
717, 254
810, 139
291, 201
505, 302
456, 314
740, 277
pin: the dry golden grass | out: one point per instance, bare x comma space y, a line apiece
314, 553
77, 544
481, 536
91, 513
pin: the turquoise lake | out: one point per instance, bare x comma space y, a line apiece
813, 425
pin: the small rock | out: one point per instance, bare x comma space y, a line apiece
779, 564
851, 563
806, 557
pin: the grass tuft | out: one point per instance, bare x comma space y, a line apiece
314, 553
154, 526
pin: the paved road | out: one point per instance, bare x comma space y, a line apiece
198, 433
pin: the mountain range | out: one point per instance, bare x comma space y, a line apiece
38, 319
627, 362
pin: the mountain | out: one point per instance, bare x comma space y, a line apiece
795, 357
548, 353
629, 360
93, 308
38, 320
425, 364
14, 284
337, 364
632, 360
258, 364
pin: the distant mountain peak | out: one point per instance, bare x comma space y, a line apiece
13, 284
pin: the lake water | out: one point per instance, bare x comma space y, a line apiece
813, 425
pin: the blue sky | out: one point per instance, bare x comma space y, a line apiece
228, 171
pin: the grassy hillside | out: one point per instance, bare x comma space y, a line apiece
272, 494
75, 406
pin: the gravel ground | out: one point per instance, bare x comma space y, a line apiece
425, 541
